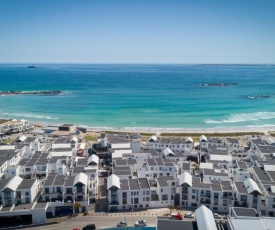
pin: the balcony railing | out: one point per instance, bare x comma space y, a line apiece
114, 202
205, 201
206, 195
154, 198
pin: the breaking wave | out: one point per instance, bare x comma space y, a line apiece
243, 117
29, 115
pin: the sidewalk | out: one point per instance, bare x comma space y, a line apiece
147, 212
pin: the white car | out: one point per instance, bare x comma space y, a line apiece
217, 216
189, 215
141, 223
122, 224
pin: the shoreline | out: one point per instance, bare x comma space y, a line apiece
215, 130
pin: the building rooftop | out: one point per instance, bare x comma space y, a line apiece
248, 212
163, 181
26, 184
164, 224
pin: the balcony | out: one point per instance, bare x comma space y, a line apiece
80, 192
206, 195
227, 197
184, 197
239, 204
154, 198
206, 201
114, 202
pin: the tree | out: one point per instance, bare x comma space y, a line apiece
171, 207
179, 208
77, 206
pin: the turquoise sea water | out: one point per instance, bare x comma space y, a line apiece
160, 96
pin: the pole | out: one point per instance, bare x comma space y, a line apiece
132, 216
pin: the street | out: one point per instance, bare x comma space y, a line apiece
99, 221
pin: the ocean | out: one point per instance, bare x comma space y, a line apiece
143, 96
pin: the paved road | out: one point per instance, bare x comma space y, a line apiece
99, 221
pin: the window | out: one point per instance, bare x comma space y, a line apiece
27, 193
147, 198
273, 199
193, 197
160, 168
164, 197
147, 193
28, 169
193, 191
161, 190
170, 169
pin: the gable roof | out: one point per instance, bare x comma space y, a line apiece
113, 181
203, 138
251, 186
81, 178
168, 152
185, 178
93, 159
153, 138
13, 183
205, 219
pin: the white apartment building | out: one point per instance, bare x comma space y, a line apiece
179, 144
248, 194
14, 126
128, 193
216, 195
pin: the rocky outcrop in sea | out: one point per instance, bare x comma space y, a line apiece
218, 84
46, 92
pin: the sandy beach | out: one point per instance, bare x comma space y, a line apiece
260, 129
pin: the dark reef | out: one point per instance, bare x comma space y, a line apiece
46, 92
218, 84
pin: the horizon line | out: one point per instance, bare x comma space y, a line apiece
121, 63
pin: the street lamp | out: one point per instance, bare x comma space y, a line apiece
132, 216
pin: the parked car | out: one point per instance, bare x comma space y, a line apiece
122, 224
217, 216
141, 223
89, 227
189, 215
176, 216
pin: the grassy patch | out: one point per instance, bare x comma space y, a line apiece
6, 142
3, 121
90, 138
194, 135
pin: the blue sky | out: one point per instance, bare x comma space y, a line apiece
141, 31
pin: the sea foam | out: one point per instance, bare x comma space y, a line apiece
243, 117
29, 115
